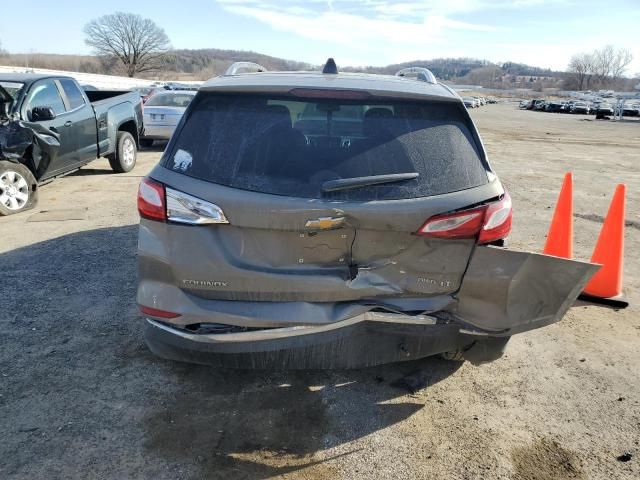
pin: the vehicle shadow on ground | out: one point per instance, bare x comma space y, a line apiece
158, 146
266, 424
77, 365
88, 171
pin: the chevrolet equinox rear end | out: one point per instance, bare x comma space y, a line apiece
329, 220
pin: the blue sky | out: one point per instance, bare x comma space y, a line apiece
367, 32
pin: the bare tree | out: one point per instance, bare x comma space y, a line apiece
621, 62
2, 50
582, 66
601, 68
137, 42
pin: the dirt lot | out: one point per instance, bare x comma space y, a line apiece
81, 397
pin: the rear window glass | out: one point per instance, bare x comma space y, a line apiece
170, 100
287, 146
73, 93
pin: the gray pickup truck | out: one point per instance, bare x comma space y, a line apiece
49, 127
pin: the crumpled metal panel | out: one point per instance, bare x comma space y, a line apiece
505, 291
16, 138
244, 264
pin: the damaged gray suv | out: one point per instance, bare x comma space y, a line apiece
330, 220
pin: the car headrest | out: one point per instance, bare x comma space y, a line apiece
378, 112
280, 113
374, 121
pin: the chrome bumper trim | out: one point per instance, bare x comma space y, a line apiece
288, 332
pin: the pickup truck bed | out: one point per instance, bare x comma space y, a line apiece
109, 105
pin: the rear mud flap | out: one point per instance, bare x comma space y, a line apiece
506, 292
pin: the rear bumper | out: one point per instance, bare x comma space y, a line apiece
158, 132
369, 339
503, 293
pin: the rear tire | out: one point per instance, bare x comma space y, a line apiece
18, 188
146, 142
124, 158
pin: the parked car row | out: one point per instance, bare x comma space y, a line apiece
475, 102
600, 108
148, 92
632, 110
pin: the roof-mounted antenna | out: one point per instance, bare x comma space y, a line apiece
330, 67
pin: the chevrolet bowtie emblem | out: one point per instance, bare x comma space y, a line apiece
325, 223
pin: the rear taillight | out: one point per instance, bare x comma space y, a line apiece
151, 200
184, 208
497, 220
488, 223
464, 224
158, 202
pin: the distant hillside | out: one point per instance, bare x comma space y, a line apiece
442, 68
522, 69
180, 64
202, 64
212, 61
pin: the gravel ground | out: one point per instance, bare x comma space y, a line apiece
81, 396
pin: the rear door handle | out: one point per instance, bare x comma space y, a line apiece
68, 123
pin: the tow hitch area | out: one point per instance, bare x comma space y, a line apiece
506, 292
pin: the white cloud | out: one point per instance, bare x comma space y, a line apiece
377, 32
343, 22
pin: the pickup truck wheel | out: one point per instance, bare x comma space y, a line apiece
17, 188
124, 158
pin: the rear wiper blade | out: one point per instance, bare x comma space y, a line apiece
357, 182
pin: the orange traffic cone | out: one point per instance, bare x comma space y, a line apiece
606, 285
560, 237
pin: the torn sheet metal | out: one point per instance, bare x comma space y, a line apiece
508, 292
25, 142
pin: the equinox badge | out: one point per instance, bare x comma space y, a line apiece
325, 223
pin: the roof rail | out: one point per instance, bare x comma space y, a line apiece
421, 74
236, 68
